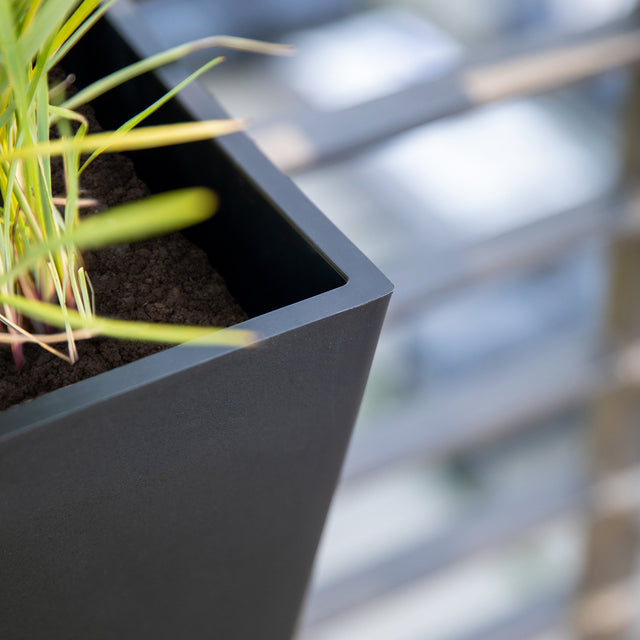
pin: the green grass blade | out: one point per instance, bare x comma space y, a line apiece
166, 57
12, 56
42, 29
129, 222
151, 109
7, 115
71, 159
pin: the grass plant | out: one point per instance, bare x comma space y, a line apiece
43, 283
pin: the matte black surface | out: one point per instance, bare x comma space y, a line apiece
190, 508
335, 135
183, 495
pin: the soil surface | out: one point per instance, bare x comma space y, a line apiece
165, 279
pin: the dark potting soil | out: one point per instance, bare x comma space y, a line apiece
166, 279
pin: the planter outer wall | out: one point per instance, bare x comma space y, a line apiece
189, 508
183, 496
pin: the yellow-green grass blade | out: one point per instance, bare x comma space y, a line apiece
142, 138
82, 12
129, 330
129, 222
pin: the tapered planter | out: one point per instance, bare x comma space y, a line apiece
183, 495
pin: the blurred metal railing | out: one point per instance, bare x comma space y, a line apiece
493, 524
311, 139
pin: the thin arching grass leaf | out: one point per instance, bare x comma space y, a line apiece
121, 76
151, 109
143, 138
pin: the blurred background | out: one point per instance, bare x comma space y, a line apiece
482, 153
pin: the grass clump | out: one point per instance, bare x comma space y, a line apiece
43, 283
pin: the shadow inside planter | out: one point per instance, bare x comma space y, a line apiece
266, 262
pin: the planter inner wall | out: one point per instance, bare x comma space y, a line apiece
266, 262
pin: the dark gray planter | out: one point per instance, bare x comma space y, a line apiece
183, 495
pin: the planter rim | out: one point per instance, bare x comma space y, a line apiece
364, 282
